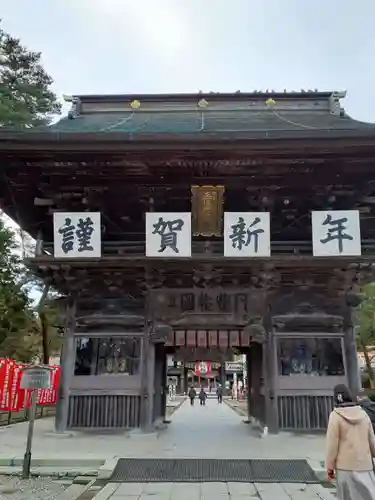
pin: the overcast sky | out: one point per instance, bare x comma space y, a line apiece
136, 46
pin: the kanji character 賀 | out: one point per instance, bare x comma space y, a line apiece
168, 233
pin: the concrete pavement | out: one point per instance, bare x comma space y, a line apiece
212, 431
73, 447
214, 491
216, 431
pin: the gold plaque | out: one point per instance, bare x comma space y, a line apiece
207, 210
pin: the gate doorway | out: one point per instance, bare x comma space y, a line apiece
216, 326
184, 350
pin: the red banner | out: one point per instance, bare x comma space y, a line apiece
49, 396
6, 384
13, 398
3, 372
17, 394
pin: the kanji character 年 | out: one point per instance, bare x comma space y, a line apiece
336, 231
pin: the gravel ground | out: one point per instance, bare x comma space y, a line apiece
43, 488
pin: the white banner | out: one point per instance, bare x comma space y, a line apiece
77, 234
336, 233
168, 234
247, 234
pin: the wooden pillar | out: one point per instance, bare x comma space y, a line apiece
256, 405
350, 353
269, 375
148, 369
222, 374
186, 381
39, 245
249, 384
159, 382
164, 386
151, 360
67, 363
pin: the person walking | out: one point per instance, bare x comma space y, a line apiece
219, 393
350, 448
202, 397
192, 393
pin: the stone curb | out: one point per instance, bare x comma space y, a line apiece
106, 470
164, 423
89, 463
178, 406
236, 408
321, 475
73, 492
67, 472
107, 492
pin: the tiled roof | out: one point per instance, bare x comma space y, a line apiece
207, 121
212, 116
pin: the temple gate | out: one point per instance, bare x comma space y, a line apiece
171, 224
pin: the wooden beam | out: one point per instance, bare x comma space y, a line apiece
121, 261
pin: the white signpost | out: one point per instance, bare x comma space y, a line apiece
172, 384
33, 378
168, 234
336, 233
234, 366
247, 234
77, 235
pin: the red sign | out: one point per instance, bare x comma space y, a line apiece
13, 398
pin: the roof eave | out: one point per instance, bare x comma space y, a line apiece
15, 140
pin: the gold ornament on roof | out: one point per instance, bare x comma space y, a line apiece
270, 102
135, 104
202, 103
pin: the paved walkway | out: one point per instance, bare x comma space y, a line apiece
214, 491
212, 431
75, 446
216, 431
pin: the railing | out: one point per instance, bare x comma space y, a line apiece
11, 417
304, 413
216, 247
104, 412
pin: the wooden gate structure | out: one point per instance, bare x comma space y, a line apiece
286, 154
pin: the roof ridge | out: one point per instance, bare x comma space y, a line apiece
256, 94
